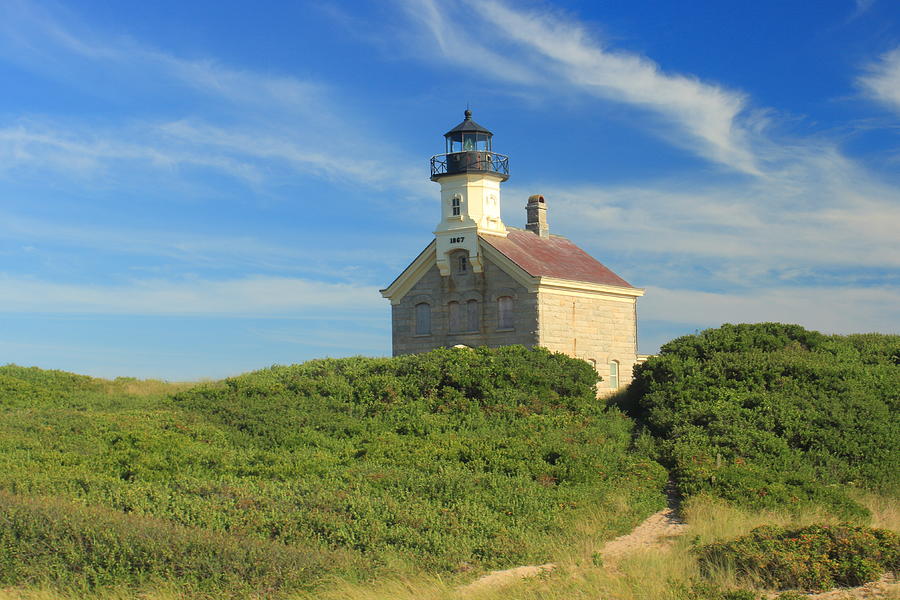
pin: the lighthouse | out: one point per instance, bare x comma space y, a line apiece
469, 173
479, 282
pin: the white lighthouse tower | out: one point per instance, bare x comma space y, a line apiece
470, 173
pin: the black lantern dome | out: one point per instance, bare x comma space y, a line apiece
468, 136
469, 150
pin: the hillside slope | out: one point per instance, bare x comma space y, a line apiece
771, 415
445, 462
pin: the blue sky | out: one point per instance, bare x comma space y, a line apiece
198, 189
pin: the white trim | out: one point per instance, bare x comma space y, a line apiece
550, 284
411, 275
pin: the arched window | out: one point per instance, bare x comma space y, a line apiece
505, 312
472, 315
423, 318
454, 205
614, 374
455, 317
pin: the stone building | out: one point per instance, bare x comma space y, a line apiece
481, 283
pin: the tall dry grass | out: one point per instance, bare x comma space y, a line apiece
145, 387
664, 573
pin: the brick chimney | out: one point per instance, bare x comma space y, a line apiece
536, 210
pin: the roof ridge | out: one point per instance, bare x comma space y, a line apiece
557, 257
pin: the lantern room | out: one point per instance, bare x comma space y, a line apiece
468, 136
469, 149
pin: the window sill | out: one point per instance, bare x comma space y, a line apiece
474, 331
504, 330
421, 335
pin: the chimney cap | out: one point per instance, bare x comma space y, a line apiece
536, 211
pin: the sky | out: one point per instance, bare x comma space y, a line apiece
198, 189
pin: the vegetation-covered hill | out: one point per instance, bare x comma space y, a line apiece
456, 461
448, 461
773, 415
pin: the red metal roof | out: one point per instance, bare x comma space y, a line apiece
554, 256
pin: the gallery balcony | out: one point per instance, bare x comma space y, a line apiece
472, 161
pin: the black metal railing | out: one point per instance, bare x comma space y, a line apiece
465, 162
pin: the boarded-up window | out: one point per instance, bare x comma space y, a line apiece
505, 312
472, 316
614, 374
456, 324
423, 318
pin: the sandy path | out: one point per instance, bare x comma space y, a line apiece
506, 576
656, 531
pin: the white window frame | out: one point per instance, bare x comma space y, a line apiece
613, 374
456, 207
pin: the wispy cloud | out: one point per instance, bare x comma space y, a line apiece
882, 80
556, 52
85, 152
250, 118
807, 208
822, 308
863, 6
252, 296
822, 212
196, 250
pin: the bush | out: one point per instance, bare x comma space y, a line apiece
811, 558
773, 415
58, 542
444, 462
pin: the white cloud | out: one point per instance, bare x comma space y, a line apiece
251, 120
237, 250
305, 157
827, 213
830, 310
882, 80
41, 146
252, 296
556, 52
863, 6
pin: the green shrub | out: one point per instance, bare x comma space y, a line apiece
445, 461
816, 557
773, 415
58, 542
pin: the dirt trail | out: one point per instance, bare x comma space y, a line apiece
506, 576
656, 531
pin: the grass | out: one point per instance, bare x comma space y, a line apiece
446, 464
407, 478
671, 573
